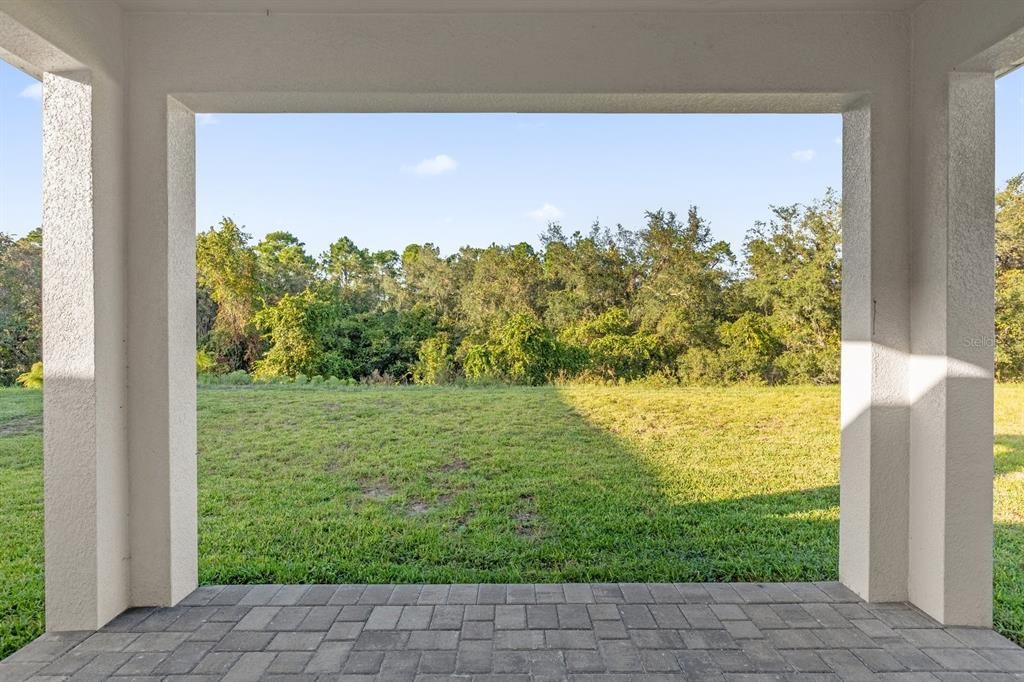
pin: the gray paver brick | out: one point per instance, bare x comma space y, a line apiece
217, 662
463, 594
295, 641
521, 594
477, 629
437, 662
184, 658
329, 657
433, 594
364, 662
376, 594
542, 616
961, 659
668, 616
258, 618
742, 629
585, 661
549, 594
578, 593
636, 616
509, 617
289, 662
433, 639
259, 595
620, 656
344, 630
381, 640
383, 618
607, 593
570, 639
475, 657
749, 632
404, 594
519, 639
288, 595
244, 641
576, 616
447, 617
610, 629
346, 595
415, 618
491, 594
656, 639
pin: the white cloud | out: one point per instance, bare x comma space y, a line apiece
546, 213
804, 155
839, 140
206, 119
442, 163
34, 91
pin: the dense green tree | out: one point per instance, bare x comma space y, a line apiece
666, 301
684, 277
297, 327
506, 282
794, 281
366, 279
1010, 280
610, 347
521, 351
428, 280
283, 266
584, 276
21, 311
228, 269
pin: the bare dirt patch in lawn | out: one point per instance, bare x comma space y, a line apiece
21, 426
456, 464
377, 490
417, 508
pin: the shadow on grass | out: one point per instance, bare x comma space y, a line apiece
476, 485
1009, 454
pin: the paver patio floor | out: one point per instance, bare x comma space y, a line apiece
736, 631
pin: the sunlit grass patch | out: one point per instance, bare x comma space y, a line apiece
447, 484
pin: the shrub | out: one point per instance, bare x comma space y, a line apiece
205, 363
32, 378
435, 364
239, 377
376, 378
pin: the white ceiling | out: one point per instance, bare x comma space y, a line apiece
331, 6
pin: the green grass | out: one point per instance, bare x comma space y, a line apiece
444, 484
21, 518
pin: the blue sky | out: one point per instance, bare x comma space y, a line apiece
387, 180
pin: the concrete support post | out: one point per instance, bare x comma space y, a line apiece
950, 567
85, 457
161, 332
873, 464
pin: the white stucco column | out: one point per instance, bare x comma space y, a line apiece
161, 333
874, 412
950, 569
85, 457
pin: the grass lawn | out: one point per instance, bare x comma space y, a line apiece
439, 484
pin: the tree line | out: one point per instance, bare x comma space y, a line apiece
664, 301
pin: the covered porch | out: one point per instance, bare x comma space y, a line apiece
122, 82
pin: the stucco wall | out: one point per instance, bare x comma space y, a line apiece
887, 71
84, 310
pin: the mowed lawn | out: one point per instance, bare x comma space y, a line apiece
448, 484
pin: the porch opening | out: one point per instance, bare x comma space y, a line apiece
465, 348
